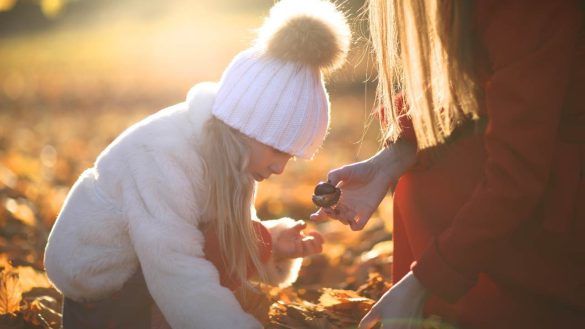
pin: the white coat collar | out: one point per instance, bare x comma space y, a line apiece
200, 102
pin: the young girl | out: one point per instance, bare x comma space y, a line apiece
170, 201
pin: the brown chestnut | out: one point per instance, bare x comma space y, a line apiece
324, 188
326, 195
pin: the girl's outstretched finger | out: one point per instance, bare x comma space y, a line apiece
299, 225
317, 246
318, 237
299, 248
311, 246
316, 241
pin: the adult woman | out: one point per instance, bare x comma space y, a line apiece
489, 212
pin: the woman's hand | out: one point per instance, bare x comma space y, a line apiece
400, 307
364, 184
294, 243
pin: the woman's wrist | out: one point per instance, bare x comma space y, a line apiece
395, 159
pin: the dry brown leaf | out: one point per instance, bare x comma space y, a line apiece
42, 311
10, 291
30, 278
375, 287
347, 302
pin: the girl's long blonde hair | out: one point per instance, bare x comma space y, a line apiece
423, 52
231, 196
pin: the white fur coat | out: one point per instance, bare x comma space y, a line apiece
142, 203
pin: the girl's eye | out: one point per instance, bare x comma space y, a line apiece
284, 154
278, 152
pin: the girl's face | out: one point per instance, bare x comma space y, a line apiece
265, 160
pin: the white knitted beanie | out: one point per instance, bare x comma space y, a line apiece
274, 91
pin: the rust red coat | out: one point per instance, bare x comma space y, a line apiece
494, 226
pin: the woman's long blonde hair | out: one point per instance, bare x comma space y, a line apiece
423, 52
231, 195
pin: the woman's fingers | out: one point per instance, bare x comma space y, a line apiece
324, 214
335, 176
341, 212
360, 221
340, 174
370, 320
319, 215
344, 214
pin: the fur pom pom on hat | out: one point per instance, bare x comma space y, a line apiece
309, 32
274, 91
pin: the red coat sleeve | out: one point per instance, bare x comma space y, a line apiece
530, 45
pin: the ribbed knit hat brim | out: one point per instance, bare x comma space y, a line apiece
280, 104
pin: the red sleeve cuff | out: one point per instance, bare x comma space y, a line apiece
439, 278
264, 241
404, 121
214, 255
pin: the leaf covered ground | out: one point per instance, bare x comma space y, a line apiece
41, 158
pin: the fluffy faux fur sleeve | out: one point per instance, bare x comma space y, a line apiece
162, 226
283, 272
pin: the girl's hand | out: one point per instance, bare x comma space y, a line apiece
400, 307
294, 243
364, 184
